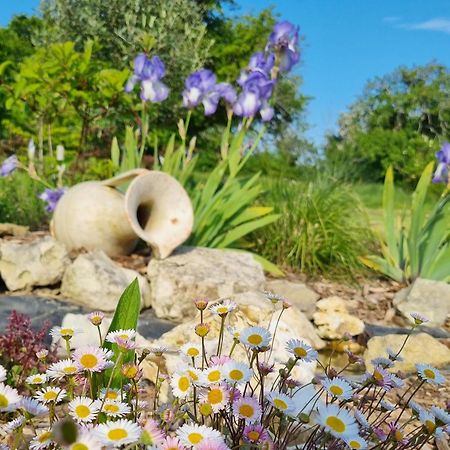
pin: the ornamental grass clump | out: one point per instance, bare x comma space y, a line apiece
225, 393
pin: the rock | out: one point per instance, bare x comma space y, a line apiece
253, 309
95, 281
427, 297
11, 229
41, 262
192, 273
333, 319
300, 295
420, 348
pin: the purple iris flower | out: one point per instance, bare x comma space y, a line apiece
9, 165
284, 40
149, 72
262, 63
443, 157
201, 87
51, 197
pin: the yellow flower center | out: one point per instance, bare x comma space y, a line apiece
195, 438
222, 310
79, 446
37, 380
280, 404
193, 375
112, 395
124, 336
398, 435
336, 424
253, 435
300, 352
69, 369
378, 375
111, 408
50, 396
205, 409
4, 402
130, 372
214, 375
44, 436
429, 373
183, 384
193, 352
336, 390
67, 332
82, 411
236, 375
116, 434
202, 330
354, 444
430, 426
215, 396
255, 339
246, 410
88, 361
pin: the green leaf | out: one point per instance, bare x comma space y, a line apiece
381, 265
389, 217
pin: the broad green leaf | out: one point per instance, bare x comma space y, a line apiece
389, 216
250, 213
381, 265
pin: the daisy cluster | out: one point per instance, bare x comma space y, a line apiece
93, 398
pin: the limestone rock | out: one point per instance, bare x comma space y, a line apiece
11, 229
40, 262
300, 295
95, 281
420, 348
253, 309
191, 273
427, 297
333, 320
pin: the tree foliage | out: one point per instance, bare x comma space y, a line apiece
400, 120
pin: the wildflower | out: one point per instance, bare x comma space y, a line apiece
339, 388
247, 408
52, 197
283, 40
385, 363
159, 350
221, 360
131, 371
255, 434
85, 441
61, 369
9, 165
9, 398
397, 382
211, 444
224, 308
337, 421
255, 337
237, 372
301, 350
387, 406
113, 336
64, 333
217, 396
118, 433
43, 439
36, 379
201, 304
3, 373
393, 356
356, 442
397, 433
181, 385
83, 409
443, 157
114, 408
13, 424
194, 374
419, 319
42, 354
362, 420
260, 62
382, 378
192, 434
33, 407
354, 359
51, 394
202, 329
172, 443
92, 359
149, 73
415, 407
273, 298
111, 394
265, 368
430, 374
96, 318
442, 416
153, 434
380, 434
191, 350
280, 401
212, 374
428, 420
205, 409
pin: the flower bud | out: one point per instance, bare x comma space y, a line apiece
202, 329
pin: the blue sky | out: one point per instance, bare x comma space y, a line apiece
346, 43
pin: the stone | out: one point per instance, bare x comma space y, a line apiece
333, 320
11, 229
95, 281
427, 297
420, 348
300, 295
253, 309
192, 273
24, 264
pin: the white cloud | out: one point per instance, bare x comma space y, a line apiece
438, 24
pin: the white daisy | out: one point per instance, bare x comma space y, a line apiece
237, 372
223, 308
112, 394
192, 435
216, 395
33, 407
61, 369
194, 374
112, 336
247, 408
191, 351
3, 374
118, 433
212, 374
50, 394
441, 415
85, 441
387, 406
92, 359
430, 374
393, 356
43, 439
280, 401
115, 408
337, 387
83, 409
64, 332
9, 398
362, 420
255, 337
13, 424
418, 318
181, 385
337, 421
39, 378
301, 350
428, 420
356, 442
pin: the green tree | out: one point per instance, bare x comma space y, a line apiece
400, 120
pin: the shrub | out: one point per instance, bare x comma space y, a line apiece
323, 228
